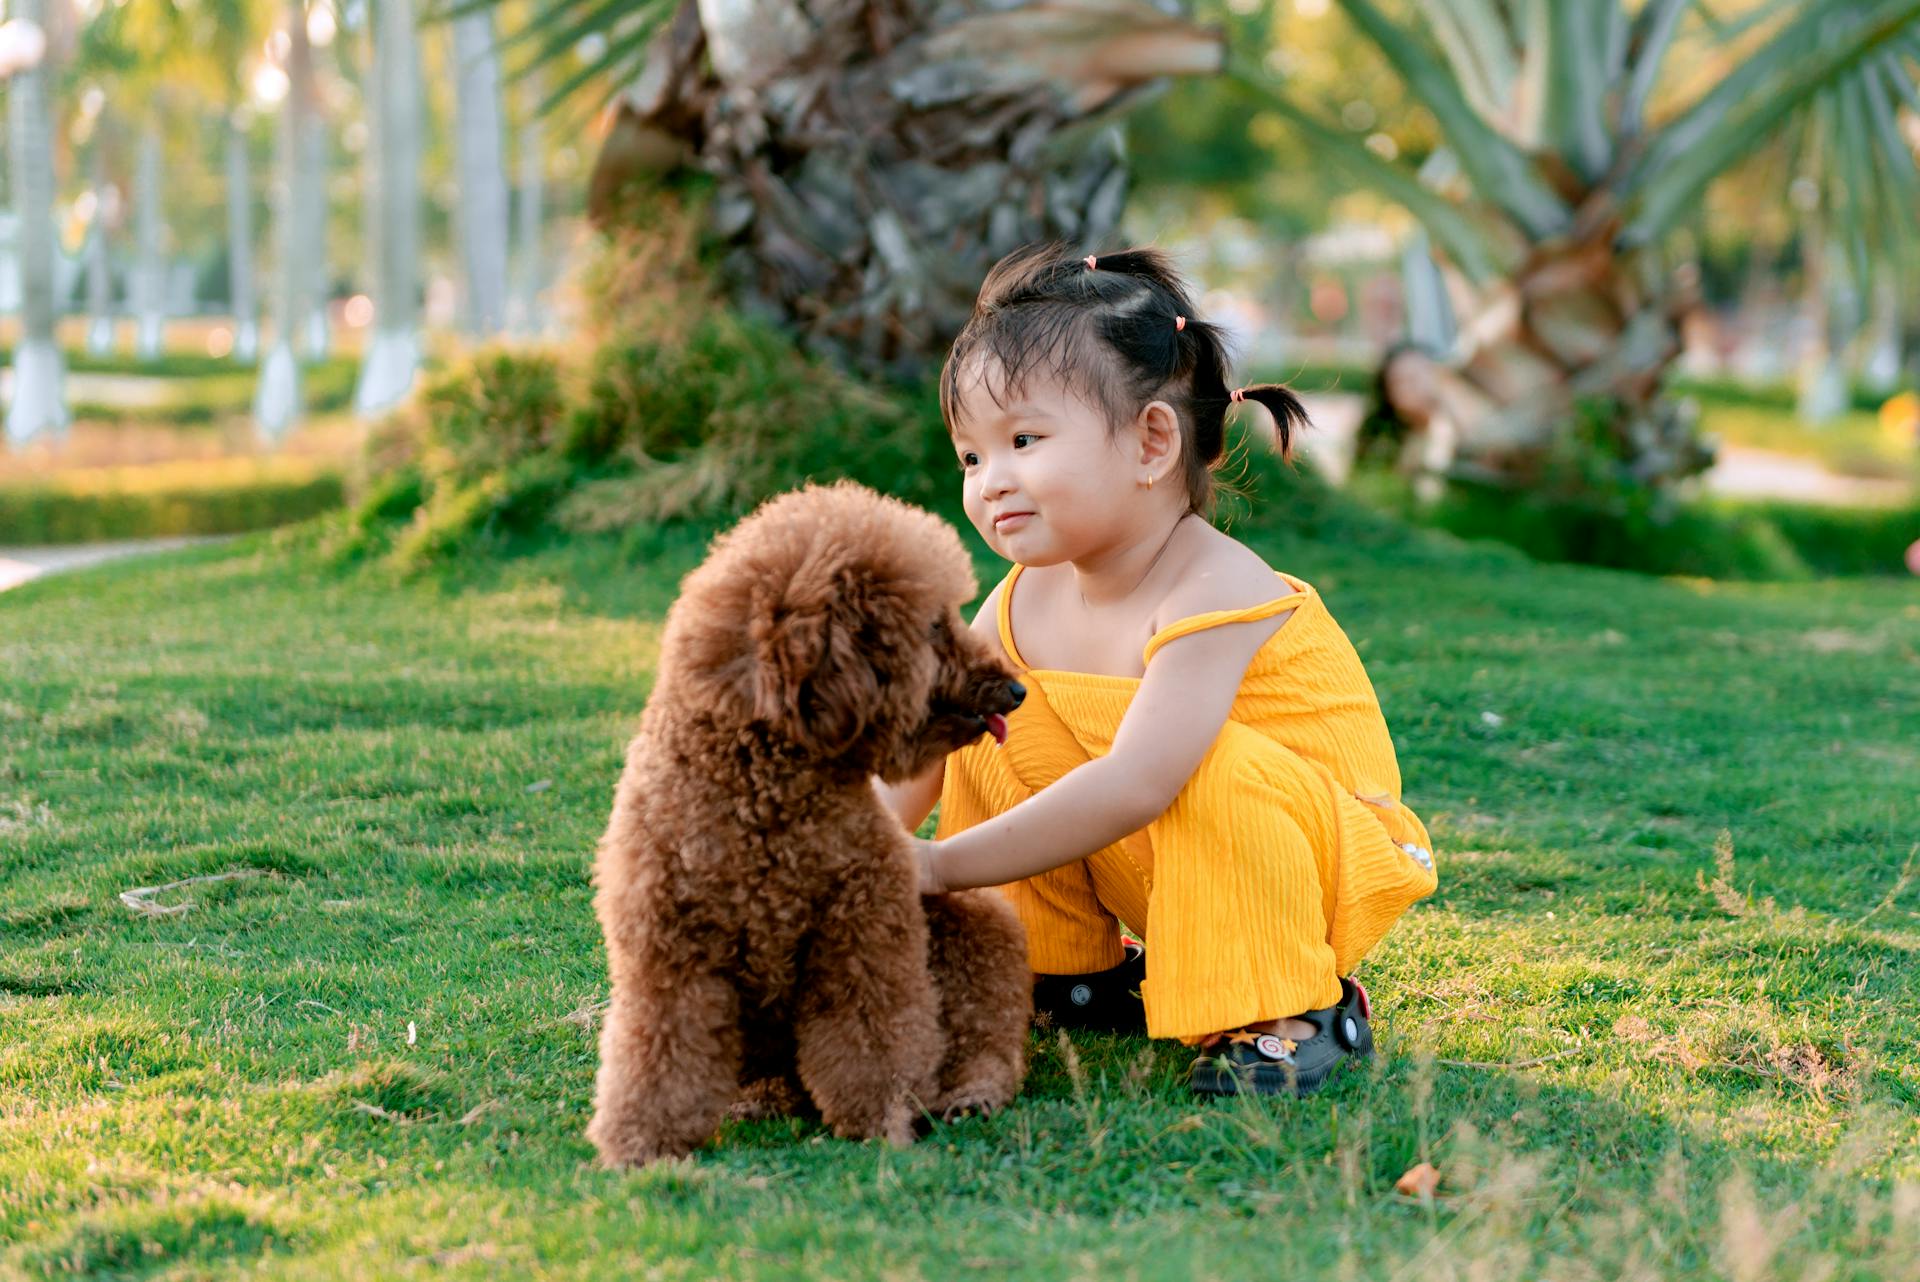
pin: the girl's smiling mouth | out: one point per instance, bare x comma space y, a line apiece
1010, 520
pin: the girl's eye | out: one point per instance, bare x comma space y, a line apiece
1017, 436
967, 460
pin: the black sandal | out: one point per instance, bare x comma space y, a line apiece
1268, 1064
1106, 1001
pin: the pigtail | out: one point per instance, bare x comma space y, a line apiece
1288, 414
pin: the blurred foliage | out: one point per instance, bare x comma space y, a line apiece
1197, 139
675, 409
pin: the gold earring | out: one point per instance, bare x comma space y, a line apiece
1149, 480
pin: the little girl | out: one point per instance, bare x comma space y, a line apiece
1200, 754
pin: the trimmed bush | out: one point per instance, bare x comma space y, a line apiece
1719, 539
55, 515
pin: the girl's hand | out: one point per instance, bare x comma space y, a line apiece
926, 856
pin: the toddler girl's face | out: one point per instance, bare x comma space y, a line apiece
1042, 474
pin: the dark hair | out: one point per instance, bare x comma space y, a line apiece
1384, 428
1110, 333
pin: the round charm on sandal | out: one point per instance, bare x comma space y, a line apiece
1271, 1046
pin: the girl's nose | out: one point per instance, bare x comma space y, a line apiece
995, 480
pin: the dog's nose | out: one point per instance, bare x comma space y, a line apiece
1018, 691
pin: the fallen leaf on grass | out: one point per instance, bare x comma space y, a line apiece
140, 899
1420, 1181
478, 1111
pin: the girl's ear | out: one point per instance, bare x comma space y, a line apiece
1160, 442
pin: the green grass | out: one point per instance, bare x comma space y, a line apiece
1627, 1053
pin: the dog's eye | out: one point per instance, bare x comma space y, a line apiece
938, 629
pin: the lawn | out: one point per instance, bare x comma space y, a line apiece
1658, 1021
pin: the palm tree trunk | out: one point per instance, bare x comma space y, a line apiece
277, 401
246, 309
393, 354
1880, 363
1822, 379
149, 280
523, 309
99, 282
39, 373
313, 161
1579, 322
481, 212
871, 164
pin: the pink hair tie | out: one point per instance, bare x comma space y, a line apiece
1089, 262
1237, 394
1179, 323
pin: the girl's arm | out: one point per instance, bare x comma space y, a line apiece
912, 799
1175, 716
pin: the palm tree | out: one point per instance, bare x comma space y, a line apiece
149, 272
99, 282
523, 308
39, 372
1559, 190
277, 400
240, 288
481, 212
394, 110
871, 167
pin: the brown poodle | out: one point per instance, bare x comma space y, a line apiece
766, 938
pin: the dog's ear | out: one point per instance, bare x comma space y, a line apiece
810, 677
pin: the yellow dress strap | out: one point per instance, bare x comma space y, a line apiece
1214, 618
1006, 616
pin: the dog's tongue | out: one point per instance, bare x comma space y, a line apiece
997, 727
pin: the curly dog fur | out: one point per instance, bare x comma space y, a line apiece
766, 939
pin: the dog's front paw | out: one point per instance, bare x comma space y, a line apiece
622, 1148
975, 1098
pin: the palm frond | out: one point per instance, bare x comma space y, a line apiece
1479, 47
1502, 173
1452, 227
1581, 43
1804, 59
1757, 75
553, 33
1652, 35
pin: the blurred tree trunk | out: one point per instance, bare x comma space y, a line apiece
387, 373
313, 213
1880, 361
872, 165
149, 273
39, 372
523, 308
99, 281
246, 308
481, 211
277, 403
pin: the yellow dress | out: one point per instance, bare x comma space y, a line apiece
1282, 861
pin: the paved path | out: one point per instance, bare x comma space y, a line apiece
25, 564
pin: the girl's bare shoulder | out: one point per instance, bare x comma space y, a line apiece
986, 621
1220, 573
